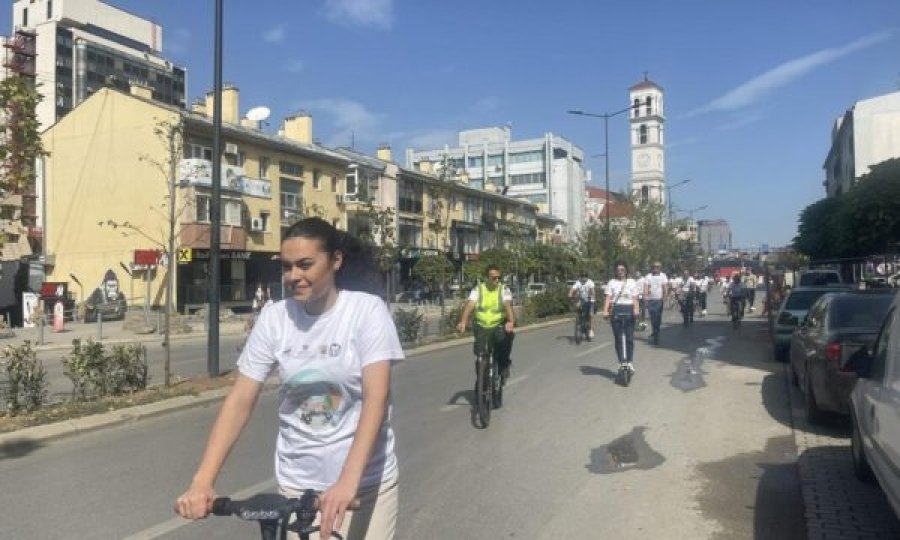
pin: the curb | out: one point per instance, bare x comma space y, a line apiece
87, 424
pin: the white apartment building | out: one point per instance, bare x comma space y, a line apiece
82, 45
548, 172
867, 134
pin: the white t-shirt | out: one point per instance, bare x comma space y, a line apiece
585, 290
655, 283
319, 360
639, 282
505, 295
703, 284
621, 292
686, 284
676, 282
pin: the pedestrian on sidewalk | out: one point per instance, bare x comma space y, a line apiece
332, 343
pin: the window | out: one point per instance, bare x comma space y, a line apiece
202, 203
317, 180
289, 168
291, 199
194, 150
648, 106
265, 218
263, 167
409, 233
241, 157
410, 197
645, 194
637, 107
536, 156
25, 17
643, 132
472, 210
231, 213
495, 161
476, 162
530, 178
49, 9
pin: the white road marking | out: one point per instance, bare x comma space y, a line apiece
176, 523
593, 349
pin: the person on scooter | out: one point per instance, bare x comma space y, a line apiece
622, 308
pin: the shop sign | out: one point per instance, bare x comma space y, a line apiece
198, 172
185, 255
146, 257
203, 255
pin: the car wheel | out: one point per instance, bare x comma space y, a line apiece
861, 467
814, 415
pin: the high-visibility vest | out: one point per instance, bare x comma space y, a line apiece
489, 311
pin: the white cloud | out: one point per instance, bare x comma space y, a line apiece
761, 86
431, 139
276, 34
294, 66
367, 13
178, 42
745, 119
352, 121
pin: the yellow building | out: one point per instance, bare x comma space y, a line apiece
108, 174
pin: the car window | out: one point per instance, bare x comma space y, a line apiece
812, 279
880, 351
859, 311
802, 300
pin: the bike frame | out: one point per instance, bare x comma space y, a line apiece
486, 382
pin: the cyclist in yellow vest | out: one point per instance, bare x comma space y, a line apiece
494, 319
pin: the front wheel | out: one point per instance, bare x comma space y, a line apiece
578, 330
484, 392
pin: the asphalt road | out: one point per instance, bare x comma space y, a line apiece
699, 446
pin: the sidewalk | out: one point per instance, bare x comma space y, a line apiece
9, 441
110, 332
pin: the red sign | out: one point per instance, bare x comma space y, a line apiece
147, 257
54, 289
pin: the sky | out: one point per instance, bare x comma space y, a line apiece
752, 88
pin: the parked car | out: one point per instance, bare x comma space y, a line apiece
875, 409
820, 278
792, 310
837, 326
536, 288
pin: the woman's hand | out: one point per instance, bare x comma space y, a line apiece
196, 502
333, 505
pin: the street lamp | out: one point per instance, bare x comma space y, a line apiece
669, 193
692, 210
605, 117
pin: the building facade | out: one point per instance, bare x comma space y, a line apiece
548, 172
867, 134
647, 119
714, 236
80, 45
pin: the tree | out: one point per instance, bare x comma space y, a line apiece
433, 270
817, 229
21, 141
379, 236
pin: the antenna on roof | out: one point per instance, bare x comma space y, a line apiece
258, 114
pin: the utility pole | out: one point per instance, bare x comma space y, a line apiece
215, 232
172, 260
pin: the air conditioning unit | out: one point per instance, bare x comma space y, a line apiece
231, 148
257, 225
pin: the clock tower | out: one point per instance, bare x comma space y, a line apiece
648, 176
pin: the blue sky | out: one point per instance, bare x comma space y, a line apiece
752, 88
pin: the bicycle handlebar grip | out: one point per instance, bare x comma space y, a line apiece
221, 506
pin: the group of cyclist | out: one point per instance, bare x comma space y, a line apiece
332, 343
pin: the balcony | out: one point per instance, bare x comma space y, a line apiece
196, 235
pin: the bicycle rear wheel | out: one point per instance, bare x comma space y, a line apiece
578, 329
484, 392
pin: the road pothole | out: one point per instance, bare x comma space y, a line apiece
628, 452
689, 372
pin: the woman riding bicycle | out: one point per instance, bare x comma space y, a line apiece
331, 342
583, 290
736, 296
622, 308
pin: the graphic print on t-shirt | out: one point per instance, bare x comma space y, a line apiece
317, 401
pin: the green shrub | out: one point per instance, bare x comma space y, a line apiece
553, 301
27, 388
408, 322
96, 374
451, 317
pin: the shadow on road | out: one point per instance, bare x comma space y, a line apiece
468, 395
603, 372
18, 448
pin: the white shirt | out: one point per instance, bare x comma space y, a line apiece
703, 284
319, 360
655, 283
676, 282
585, 290
640, 285
686, 284
621, 292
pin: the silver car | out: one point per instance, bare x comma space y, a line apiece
875, 409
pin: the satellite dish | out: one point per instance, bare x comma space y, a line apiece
258, 114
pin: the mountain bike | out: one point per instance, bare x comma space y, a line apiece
273, 512
488, 388
686, 302
737, 311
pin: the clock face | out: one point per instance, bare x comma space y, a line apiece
643, 159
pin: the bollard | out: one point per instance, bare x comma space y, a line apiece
99, 326
41, 331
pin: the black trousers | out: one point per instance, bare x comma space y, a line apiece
622, 321
502, 343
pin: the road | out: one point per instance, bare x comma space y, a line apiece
699, 446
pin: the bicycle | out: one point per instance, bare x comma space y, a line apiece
488, 388
273, 512
624, 375
686, 302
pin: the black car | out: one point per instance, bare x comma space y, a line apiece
838, 326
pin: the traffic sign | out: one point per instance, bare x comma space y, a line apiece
185, 255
